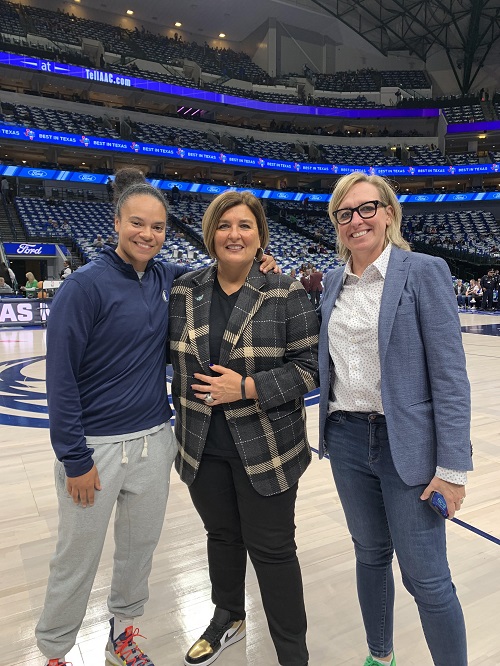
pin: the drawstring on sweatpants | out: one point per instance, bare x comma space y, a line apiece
144, 453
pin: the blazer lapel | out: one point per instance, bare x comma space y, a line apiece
249, 301
330, 296
198, 301
395, 279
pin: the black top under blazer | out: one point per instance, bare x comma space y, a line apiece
272, 336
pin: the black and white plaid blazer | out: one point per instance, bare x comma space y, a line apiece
272, 336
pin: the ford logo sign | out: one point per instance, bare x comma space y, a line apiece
29, 248
213, 190
315, 197
36, 173
87, 177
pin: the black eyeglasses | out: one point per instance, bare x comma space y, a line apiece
364, 210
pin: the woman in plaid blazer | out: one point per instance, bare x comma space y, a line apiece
244, 352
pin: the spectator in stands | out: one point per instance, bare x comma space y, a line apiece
316, 286
30, 288
460, 291
243, 445
305, 280
478, 294
5, 191
109, 188
175, 194
470, 301
109, 420
66, 271
98, 242
6, 274
4, 287
488, 285
394, 414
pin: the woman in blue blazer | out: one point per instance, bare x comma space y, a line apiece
394, 415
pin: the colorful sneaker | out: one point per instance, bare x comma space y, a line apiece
370, 661
58, 662
124, 651
220, 634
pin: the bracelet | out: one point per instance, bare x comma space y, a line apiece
243, 393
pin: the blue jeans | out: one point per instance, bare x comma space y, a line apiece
385, 515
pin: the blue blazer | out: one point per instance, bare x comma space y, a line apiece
424, 384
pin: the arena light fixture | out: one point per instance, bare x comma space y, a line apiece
130, 12
222, 35
178, 24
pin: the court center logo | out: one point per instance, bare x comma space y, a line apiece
23, 396
23, 399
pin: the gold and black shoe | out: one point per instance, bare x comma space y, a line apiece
220, 634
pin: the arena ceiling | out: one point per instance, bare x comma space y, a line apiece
466, 30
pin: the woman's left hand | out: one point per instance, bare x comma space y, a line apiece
226, 388
268, 263
453, 494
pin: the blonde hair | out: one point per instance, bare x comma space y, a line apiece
30, 277
222, 203
387, 196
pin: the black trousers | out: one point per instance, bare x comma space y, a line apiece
315, 298
239, 521
487, 299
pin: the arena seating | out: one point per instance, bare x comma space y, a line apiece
170, 136
359, 102
66, 28
55, 120
278, 150
81, 222
406, 79
463, 158
357, 155
10, 21
363, 80
171, 76
464, 114
473, 231
496, 105
424, 156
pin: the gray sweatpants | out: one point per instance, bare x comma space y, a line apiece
139, 489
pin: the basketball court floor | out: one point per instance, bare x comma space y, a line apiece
180, 607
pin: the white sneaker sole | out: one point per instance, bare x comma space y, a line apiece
112, 659
239, 634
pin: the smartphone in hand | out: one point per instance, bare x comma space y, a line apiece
438, 504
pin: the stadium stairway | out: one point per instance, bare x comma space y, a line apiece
11, 228
489, 110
